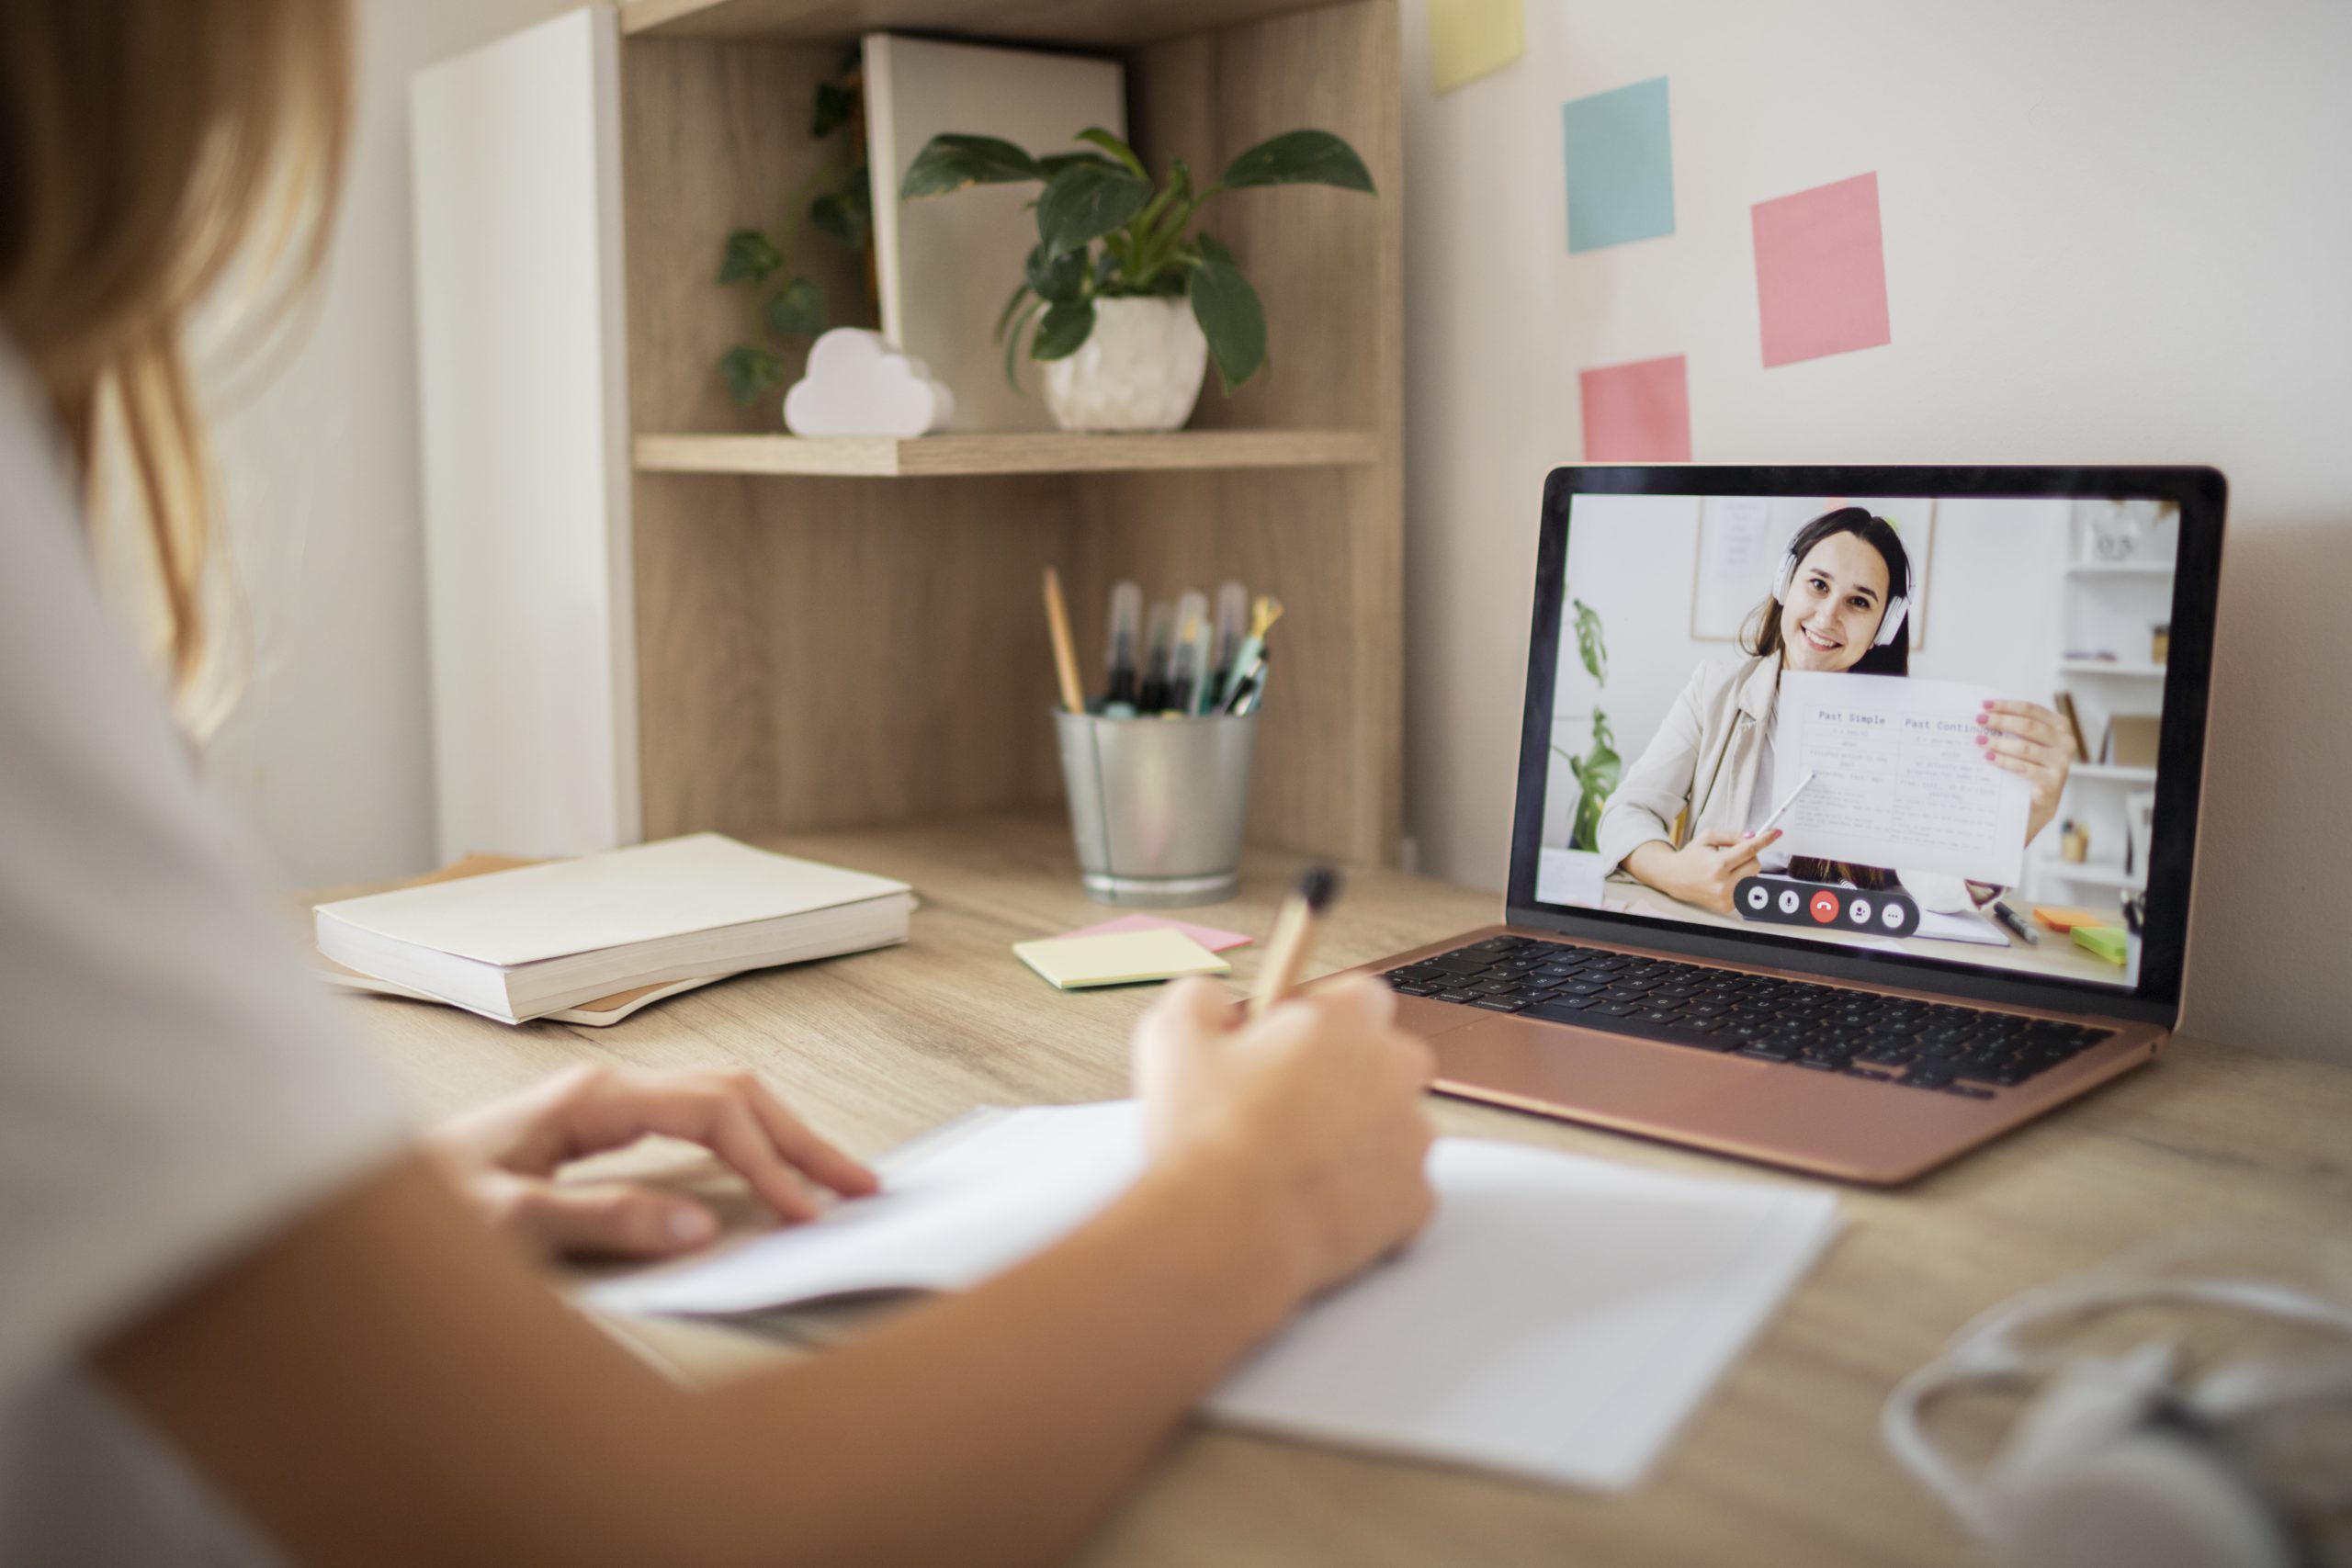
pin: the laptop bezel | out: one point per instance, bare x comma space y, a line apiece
2202, 496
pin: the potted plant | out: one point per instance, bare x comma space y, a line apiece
1125, 302
1597, 772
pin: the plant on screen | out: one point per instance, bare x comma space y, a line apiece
1598, 771
1106, 198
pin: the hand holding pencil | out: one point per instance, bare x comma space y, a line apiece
1314, 1107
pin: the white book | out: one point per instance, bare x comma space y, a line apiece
1560, 1318
945, 265
537, 940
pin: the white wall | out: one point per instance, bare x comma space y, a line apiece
328, 758
2115, 232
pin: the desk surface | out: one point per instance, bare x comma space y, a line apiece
1781, 1465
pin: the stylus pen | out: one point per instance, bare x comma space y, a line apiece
2008, 917
1782, 809
1294, 936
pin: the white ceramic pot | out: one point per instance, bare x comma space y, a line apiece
1140, 368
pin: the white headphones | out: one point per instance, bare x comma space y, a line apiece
2116, 1464
1889, 624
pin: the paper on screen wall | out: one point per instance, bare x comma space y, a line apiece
1900, 780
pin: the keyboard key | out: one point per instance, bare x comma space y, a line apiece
1500, 1004
1403, 989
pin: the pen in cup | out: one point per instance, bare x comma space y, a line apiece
1152, 693
1127, 632
1065, 654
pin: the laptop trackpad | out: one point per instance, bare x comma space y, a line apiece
1608, 1074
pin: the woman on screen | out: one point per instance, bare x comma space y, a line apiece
1840, 605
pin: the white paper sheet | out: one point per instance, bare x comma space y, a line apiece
1560, 1318
1902, 780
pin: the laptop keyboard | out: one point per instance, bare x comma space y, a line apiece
1931, 1045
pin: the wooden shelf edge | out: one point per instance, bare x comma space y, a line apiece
1011, 452
1088, 23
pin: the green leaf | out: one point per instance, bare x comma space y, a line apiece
1213, 250
1116, 148
1085, 202
1230, 317
1061, 330
1300, 157
1060, 280
950, 162
750, 370
1012, 342
749, 255
797, 310
1004, 317
831, 110
845, 214
1055, 162
1590, 648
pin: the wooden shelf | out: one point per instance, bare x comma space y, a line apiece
2150, 570
1011, 452
1098, 23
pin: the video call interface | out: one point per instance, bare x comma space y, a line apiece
1915, 725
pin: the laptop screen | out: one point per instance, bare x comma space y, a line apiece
1928, 727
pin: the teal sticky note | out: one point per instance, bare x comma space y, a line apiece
1619, 166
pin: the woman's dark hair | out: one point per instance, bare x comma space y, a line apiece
1761, 634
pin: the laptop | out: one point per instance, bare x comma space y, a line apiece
1857, 807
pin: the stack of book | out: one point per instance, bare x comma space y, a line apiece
596, 936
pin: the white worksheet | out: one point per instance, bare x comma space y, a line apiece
1900, 780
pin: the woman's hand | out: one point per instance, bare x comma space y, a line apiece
505, 1154
1703, 871
2029, 740
1318, 1103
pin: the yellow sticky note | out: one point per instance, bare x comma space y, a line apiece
2109, 942
1120, 958
1469, 38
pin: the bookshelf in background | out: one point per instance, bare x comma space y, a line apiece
653, 601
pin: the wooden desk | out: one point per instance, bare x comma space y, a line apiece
1781, 1465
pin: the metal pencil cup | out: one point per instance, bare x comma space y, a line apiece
1157, 804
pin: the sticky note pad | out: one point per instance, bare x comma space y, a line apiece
1120, 959
1470, 39
2059, 918
1619, 166
1636, 413
2110, 942
1209, 937
1821, 271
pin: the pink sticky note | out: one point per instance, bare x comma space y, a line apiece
1637, 413
1821, 271
1209, 937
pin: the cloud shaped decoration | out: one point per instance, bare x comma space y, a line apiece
859, 384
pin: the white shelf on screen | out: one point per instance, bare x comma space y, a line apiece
2114, 667
2150, 569
2112, 771
2093, 874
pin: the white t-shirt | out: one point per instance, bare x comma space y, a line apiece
173, 1087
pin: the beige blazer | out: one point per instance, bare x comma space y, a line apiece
1703, 757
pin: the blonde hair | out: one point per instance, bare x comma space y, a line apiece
149, 151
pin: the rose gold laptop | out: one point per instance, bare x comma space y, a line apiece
1783, 885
